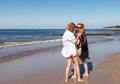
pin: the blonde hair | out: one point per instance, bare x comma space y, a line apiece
71, 26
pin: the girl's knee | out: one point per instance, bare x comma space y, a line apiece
69, 61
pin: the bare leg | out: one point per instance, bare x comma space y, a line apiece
69, 62
75, 59
75, 73
86, 68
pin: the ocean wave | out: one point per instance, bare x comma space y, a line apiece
14, 44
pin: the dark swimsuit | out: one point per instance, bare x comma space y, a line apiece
84, 47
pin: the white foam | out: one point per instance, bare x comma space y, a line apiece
14, 44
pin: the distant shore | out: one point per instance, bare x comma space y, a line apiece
117, 27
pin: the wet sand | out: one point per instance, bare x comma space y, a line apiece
40, 68
48, 67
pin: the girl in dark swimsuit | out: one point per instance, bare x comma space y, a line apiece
82, 49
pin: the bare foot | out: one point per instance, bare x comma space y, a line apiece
66, 80
85, 75
80, 80
73, 76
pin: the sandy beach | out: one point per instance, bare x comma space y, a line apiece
33, 33
111, 67
49, 65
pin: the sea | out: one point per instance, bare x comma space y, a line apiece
16, 41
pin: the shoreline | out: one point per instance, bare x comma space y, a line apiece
8, 44
20, 51
24, 54
48, 66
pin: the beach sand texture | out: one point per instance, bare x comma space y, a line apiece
48, 66
112, 67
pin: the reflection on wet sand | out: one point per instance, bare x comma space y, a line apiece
85, 80
74, 81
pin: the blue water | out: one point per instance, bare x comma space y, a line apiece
20, 37
16, 41
13, 35
17, 35
103, 31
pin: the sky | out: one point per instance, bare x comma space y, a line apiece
56, 14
